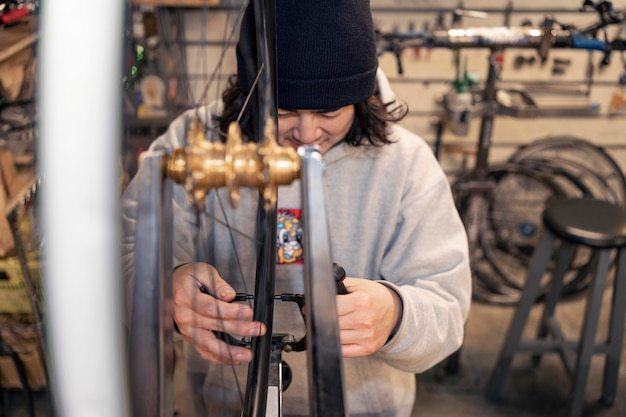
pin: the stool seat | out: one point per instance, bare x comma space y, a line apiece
590, 222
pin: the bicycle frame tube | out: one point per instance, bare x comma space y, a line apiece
78, 150
492, 38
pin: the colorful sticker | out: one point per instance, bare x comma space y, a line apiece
289, 237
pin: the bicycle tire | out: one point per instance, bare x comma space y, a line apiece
587, 164
581, 151
503, 253
576, 174
508, 227
577, 180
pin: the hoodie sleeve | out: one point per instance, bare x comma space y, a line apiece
427, 264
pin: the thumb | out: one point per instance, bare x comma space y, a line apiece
211, 281
351, 284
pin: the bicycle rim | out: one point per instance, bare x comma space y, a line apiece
582, 152
509, 224
514, 224
576, 180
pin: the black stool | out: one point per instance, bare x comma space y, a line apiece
600, 226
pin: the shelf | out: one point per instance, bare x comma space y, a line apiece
18, 37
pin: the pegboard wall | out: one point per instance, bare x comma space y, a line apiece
570, 79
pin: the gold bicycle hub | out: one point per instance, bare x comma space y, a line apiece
204, 165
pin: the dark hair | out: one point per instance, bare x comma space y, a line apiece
369, 126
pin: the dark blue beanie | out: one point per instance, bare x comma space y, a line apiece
326, 53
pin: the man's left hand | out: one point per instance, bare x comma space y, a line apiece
367, 316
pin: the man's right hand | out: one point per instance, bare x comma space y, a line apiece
198, 314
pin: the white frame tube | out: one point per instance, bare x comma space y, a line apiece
80, 137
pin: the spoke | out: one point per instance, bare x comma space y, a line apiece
231, 231
217, 72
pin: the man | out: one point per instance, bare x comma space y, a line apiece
393, 223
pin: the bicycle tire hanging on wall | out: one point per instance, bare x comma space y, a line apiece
561, 166
584, 153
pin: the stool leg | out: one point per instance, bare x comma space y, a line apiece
616, 331
563, 262
540, 260
587, 337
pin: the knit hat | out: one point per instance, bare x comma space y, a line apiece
326, 53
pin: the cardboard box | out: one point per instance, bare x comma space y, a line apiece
14, 295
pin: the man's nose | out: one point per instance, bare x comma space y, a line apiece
308, 130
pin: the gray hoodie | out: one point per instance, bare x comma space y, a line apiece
391, 219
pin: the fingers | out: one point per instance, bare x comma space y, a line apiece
357, 343
199, 332
210, 307
201, 275
202, 306
358, 330
198, 289
211, 348
201, 302
366, 316
216, 315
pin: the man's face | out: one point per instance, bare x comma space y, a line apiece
324, 128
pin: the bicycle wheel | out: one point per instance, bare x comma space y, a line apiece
510, 243
324, 358
577, 180
583, 153
590, 169
508, 226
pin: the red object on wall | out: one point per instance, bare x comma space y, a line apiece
13, 15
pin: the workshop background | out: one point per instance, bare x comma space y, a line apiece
569, 86
570, 94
